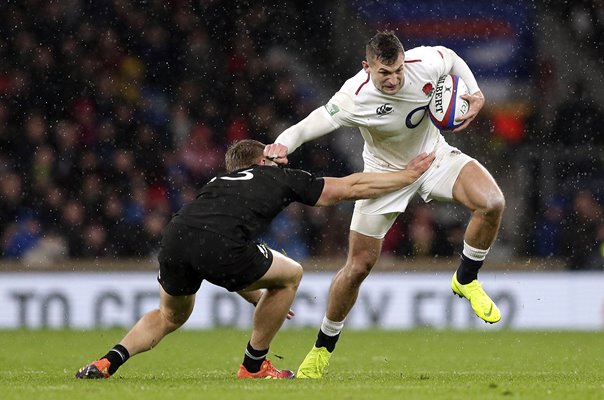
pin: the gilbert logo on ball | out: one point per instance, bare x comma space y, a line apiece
446, 104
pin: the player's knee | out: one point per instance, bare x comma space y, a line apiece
174, 319
291, 275
495, 204
297, 272
358, 270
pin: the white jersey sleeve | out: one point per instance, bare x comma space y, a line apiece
455, 65
315, 125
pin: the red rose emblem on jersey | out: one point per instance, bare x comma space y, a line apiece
427, 89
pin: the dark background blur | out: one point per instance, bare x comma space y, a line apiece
112, 113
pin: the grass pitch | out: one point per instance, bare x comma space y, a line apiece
420, 364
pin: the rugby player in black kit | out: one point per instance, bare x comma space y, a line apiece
212, 238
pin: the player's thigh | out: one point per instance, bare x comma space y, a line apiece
443, 175
176, 309
177, 273
283, 272
476, 188
371, 225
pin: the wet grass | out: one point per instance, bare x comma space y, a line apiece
419, 364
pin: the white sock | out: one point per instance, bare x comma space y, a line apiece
473, 253
331, 328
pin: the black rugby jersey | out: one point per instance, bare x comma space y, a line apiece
242, 204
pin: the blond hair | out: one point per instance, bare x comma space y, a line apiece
243, 153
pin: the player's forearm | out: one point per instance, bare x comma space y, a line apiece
374, 184
367, 185
363, 185
315, 125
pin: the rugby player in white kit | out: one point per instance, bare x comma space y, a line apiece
387, 100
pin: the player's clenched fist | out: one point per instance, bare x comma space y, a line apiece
277, 153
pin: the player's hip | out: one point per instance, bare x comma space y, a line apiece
188, 255
396, 156
436, 183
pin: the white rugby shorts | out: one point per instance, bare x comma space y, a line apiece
374, 217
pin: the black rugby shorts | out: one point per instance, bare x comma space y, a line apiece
189, 255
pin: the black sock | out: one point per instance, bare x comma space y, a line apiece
116, 356
468, 270
329, 342
253, 358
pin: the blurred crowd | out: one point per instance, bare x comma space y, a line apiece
112, 113
586, 22
569, 217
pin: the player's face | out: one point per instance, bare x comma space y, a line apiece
388, 79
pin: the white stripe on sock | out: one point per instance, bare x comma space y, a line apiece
248, 354
331, 328
473, 253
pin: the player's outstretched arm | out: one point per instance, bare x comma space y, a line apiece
367, 185
315, 125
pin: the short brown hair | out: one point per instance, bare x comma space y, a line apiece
243, 153
384, 46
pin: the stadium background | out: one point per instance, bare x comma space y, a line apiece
112, 112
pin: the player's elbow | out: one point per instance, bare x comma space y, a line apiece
335, 190
328, 199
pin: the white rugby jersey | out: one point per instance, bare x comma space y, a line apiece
396, 127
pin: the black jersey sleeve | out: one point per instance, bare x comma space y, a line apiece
306, 187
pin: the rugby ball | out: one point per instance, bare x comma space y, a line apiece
446, 103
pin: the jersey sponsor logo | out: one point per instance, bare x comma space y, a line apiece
332, 109
384, 109
245, 176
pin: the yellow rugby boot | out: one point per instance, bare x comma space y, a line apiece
481, 303
314, 364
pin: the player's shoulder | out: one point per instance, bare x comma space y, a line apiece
424, 52
425, 57
345, 98
297, 173
283, 174
352, 85
426, 62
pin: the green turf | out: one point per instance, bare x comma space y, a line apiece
421, 364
